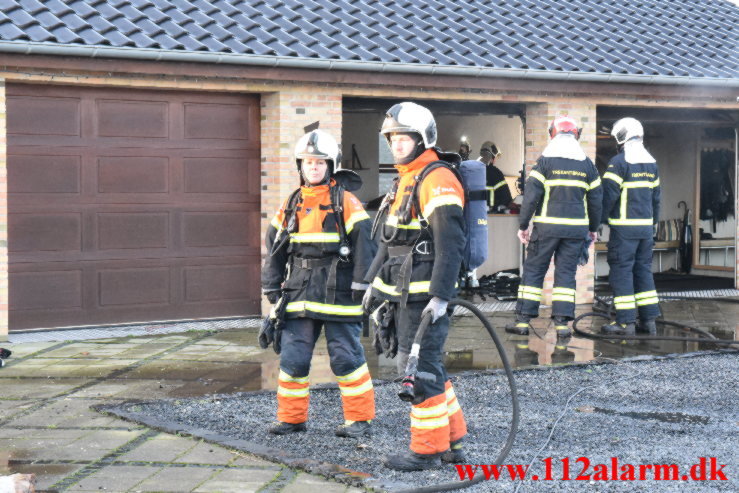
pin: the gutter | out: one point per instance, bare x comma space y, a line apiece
30, 48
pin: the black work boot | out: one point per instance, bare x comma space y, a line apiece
354, 429
455, 454
281, 428
521, 326
411, 461
561, 328
615, 328
647, 326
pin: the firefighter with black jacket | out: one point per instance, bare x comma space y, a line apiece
497, 187
563, 196
414, 273
631, 209
320, 250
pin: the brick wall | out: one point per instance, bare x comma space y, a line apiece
284, 116
538, 117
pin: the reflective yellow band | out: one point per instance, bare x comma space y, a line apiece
655, 183
594, 184
415, 287
439, 201
354, 391
454, 407
292, 392
631, 222
284, 377
529, 296
355, 375
563, 297
538, 176
564, 291
645, 294
562, 220
647, 301
622, 299
566, 183
613, 176
354, 219
299, 306
625, 306
497, 185
314, 237
276, 223
640, 184
529, 289
429, 424
450, 394
429, 412
393, 221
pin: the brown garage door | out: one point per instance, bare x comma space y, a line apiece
131, 205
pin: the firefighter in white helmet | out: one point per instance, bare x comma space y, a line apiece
320, 250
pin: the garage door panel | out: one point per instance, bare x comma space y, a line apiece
45, 115
132, 230
44, 232
134, 287
215, 175
132, 174
131, 205
216, 121
44, 174
140, 119
46, 290
214, 229
218, 282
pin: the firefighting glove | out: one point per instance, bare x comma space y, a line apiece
437, 308
367, 300
382, 322
267, 332
273, 296
359, 291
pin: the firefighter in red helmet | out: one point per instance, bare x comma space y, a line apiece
563, 198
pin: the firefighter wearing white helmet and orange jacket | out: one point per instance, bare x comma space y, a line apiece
631, 209
563, 197
422, 230
319, 251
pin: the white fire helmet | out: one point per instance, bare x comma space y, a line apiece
626, 129
410, 117
321, 145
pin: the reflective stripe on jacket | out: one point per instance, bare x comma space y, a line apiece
563, 197
631, 197
302, 268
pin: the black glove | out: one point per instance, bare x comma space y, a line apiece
382, 321
273, 296
267, 332
277, 343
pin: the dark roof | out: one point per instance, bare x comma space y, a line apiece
675, 38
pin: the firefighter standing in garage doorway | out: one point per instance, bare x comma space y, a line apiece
320, 250
631, 209
564, 197
498, 190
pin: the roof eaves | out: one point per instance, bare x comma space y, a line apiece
148, 54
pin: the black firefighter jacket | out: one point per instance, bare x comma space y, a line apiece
308, 268
564, 197
631, 197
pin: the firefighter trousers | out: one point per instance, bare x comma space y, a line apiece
566, 252
347, 361
436, 417
630, 262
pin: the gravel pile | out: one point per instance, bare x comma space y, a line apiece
645, 411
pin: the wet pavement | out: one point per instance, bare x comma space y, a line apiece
47, 390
